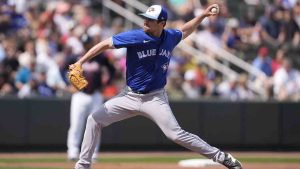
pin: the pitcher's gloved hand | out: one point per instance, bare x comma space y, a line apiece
76, 77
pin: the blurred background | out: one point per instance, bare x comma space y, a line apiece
235, 81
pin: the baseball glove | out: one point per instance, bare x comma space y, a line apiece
76, 77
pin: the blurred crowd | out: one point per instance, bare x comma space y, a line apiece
38, 41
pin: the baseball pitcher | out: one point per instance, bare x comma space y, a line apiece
148, 56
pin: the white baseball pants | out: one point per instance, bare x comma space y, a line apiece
154, 106
82, 105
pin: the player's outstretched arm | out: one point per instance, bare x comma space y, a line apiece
96, 50
190, 26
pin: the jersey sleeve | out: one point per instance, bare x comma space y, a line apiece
176, 35
125, 39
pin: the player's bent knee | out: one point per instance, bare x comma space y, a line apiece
91, 120
100, 115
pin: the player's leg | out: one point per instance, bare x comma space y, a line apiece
162, 115
78, 110
116, 109
97, 101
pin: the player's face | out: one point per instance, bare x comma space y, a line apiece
153, 27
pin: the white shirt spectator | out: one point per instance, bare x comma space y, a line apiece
207, 38
76, 45
61, 19
54, 78
21, 5
228, 90
25, 59
286, 80
189, 87
49, 64
97, 30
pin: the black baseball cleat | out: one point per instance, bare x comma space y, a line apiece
231, 163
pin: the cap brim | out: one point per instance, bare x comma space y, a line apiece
144, 15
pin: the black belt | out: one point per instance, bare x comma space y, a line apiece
88, 91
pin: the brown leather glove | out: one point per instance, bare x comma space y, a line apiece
76, 77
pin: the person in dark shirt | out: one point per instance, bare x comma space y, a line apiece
85, 102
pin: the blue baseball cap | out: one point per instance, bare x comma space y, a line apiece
156, 12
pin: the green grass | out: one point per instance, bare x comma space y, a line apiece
158, 159
32, 160
270, 160
176, 159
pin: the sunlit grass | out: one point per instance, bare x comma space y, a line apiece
156, 159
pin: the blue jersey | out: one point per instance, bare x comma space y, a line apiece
148, 57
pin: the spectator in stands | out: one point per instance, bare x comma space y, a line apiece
201, 77
98, 28
53, 34
6, 86
74, 42
4, 18
43, 89
174, 87
277, 61
272, 32
244, 92
10, 61
189, 86
228, 89
212, 82
291, 36
17, 20
25, 80
62, 17
232, 40
54, 76
263, 61
286, 4
208, 38
28, 55
182, 9
8, 67
287, 82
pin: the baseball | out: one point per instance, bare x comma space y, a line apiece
214, 10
